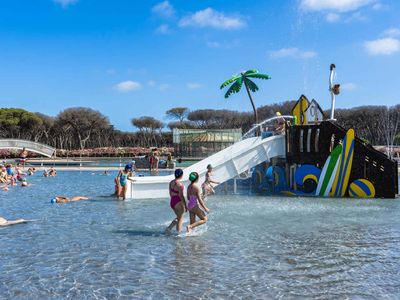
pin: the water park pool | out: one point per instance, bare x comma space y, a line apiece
252, 247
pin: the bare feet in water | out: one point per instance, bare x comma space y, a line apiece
189, 229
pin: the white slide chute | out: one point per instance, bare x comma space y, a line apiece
227, 164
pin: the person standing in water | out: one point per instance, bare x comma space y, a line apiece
177, 203
122, 180
195, 201
22, 157
207, 186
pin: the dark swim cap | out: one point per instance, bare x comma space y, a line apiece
193, 176
178, 173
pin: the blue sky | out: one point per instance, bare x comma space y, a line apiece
132, 58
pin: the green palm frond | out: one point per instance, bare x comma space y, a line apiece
259, 76
251, 85
250, 72
229, 81
235, 88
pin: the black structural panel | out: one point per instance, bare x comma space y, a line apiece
312, 144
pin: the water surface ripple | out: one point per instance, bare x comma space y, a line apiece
252, 248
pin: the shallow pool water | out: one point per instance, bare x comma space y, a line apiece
252, 247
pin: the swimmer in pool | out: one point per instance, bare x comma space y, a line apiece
63, 199
195, 203
4, 222
177, 203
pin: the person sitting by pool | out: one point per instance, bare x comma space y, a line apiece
195, 201
5, 222
63, 199
122, 180
178, 202
207, 186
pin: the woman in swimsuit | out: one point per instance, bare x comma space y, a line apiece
178, 203
195, 201
122, 179
207, 186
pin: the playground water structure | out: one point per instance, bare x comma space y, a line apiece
227, 164
293, 163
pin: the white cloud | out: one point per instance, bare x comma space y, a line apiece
211, 18
332, 17
334, 5
392, 32
349, 87
164, 87
293, 53
128, 86
164, 9
65, 3
384, 46
163, 29
193, 85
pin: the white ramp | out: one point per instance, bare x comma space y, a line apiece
227, 164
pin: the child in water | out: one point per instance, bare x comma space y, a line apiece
207, 186
195, 203
122, 181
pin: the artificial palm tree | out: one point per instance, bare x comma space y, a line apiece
238, 81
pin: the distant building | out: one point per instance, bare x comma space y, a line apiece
200, 143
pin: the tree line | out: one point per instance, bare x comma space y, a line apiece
83, 128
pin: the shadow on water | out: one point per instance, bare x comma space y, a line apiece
144, 233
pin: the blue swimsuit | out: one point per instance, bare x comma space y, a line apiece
123, 179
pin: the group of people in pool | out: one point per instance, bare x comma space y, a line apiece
195, 195
10, 176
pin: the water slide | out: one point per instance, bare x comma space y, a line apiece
228, 163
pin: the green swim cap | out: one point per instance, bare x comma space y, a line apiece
193, 176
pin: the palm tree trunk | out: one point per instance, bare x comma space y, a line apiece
254, 107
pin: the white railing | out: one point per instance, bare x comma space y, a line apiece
264, 123
42, 149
